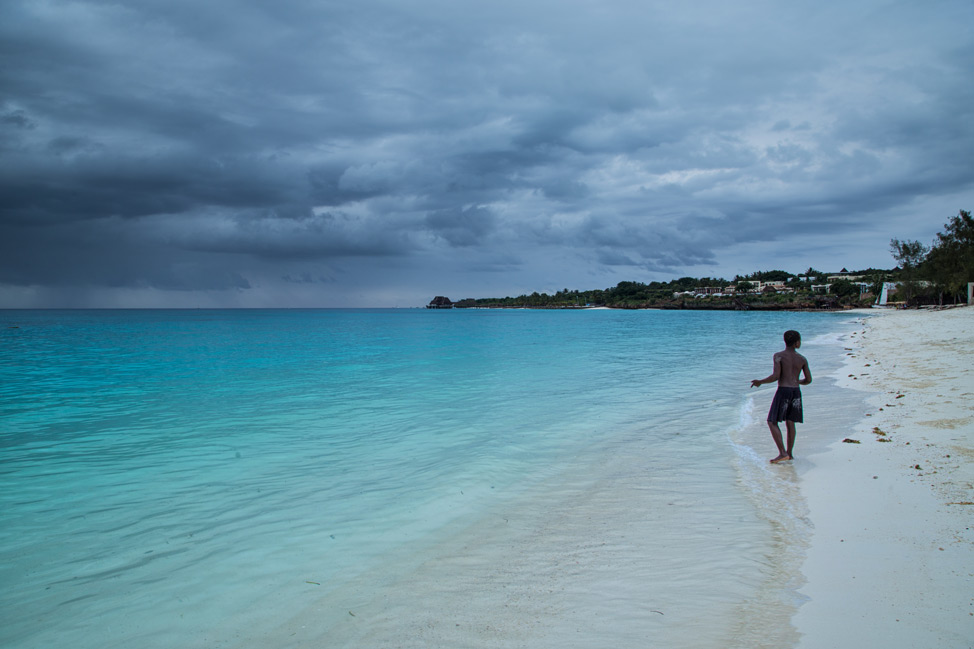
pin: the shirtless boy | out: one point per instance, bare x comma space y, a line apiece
787, 403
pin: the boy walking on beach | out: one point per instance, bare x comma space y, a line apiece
787, 403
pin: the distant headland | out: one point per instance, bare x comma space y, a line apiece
768, 290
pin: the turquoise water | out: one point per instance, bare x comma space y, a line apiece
194, 478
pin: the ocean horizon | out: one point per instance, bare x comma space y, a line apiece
349, 477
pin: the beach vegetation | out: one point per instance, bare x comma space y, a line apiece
771, 276
772, 290
949, 264
844, 288
938, 273
909, 255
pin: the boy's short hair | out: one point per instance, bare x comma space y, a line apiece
792, 337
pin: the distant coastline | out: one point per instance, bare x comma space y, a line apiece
683, 306
774, 290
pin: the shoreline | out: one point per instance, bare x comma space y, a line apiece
890, 558
724, 306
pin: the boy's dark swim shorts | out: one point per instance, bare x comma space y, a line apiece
786, 405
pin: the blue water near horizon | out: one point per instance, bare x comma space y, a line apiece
158, 466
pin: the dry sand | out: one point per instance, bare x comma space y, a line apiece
891, 562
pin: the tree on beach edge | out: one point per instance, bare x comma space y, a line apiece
950, 261
909, 255
939, 273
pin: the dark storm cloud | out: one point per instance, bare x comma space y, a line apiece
104, 253
292, 236
461, 227
271, 148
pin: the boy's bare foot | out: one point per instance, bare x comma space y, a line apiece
784, 457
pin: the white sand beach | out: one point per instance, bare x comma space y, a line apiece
891, 562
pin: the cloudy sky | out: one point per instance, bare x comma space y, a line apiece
381, 152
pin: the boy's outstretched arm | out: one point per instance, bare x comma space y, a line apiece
773, 376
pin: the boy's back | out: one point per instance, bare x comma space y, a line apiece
791, 364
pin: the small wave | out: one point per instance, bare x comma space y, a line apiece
831, 338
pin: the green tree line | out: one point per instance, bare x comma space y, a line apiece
634, 295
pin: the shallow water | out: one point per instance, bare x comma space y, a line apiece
396, 477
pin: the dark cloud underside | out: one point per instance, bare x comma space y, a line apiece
287, 148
